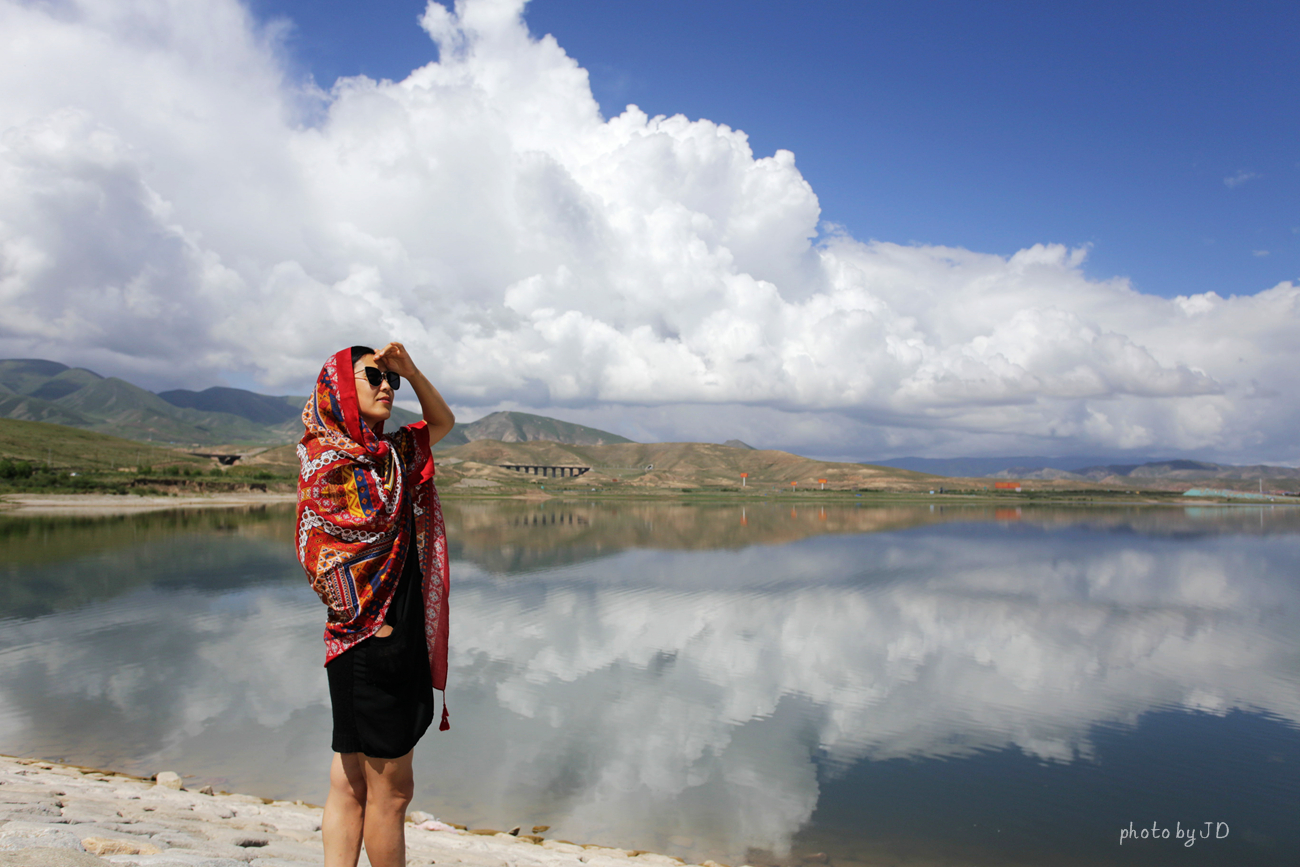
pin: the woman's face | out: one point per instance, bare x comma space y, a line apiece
374, 401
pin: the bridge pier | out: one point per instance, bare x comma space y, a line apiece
549, 471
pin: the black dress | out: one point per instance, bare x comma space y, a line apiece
381, 689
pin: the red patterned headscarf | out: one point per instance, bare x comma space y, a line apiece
364, 498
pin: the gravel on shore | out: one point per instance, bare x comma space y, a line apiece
54, 815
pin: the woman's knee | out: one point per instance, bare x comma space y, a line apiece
348, 777
390, 782
393, 793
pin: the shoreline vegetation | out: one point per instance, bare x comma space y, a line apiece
61, 815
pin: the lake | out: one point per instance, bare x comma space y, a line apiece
769, 684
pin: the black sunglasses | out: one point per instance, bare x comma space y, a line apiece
375, 376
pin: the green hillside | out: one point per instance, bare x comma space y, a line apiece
68, 448
119, 407
20, 406
261, 408
65, 383
25, 375
47, 391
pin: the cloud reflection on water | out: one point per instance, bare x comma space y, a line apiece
932, 643
647, 694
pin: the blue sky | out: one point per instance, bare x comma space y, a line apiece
1163, 135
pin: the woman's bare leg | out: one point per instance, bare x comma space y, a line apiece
390, 785
345, 807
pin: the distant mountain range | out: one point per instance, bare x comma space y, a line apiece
39, 390
1087, 467
33, 389
522, 427
972, 468
1178, 470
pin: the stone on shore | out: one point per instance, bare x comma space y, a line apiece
118, 846
168, 779
50, 858
37, 835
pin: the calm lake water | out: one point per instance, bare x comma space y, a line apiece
898, 686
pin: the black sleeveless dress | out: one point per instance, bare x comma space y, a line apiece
381, 690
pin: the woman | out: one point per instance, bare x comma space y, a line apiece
370, 537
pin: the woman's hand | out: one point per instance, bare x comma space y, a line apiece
395, 358
437, 415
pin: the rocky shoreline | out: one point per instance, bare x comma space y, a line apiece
55, 815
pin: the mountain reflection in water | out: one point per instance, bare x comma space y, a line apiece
709, 681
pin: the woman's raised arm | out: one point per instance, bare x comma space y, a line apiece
437, 415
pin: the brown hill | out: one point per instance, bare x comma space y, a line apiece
642, 466
672, 465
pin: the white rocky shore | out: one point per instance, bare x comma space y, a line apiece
54, 815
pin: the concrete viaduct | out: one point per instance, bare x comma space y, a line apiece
548, 471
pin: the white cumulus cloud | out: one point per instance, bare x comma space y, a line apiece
174, 208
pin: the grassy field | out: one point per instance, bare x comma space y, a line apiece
35, 456
65, 448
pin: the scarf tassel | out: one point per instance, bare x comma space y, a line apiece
446, 720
